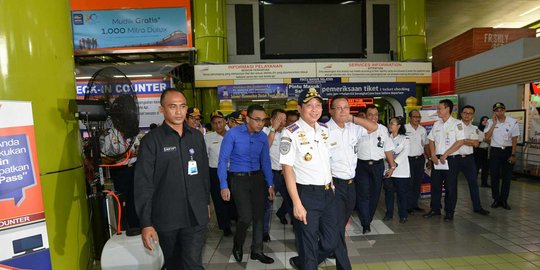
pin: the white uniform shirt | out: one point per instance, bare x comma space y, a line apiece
374, 145
113, 143
481, 138
343, 146
213, 144
503, 132
274, 149
417, 139
445, 134
306, 149
401, 156
471, 133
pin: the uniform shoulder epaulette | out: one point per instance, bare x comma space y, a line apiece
322, 124
292, 127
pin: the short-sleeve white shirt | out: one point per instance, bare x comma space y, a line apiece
401, 156
213, 144
274, 149
417, 139
445, 134
306, 149
374, 145
471, 133
503, 132
343, 146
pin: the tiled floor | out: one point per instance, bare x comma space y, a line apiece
503, 240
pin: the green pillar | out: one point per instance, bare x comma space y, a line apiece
36, 64
210, 27
412, 34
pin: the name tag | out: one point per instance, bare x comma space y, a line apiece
169, 149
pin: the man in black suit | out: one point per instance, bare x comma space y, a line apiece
172, 186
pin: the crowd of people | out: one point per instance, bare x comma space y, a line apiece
322, 171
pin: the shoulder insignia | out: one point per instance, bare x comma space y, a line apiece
322, 124
460, 126
292, 127
284, 147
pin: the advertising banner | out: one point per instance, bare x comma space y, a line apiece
23, 233
128, 28
252, 91
148, 92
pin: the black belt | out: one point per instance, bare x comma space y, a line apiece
452, 156
252, 173
342, 181
276, 171
416, 157
464, 156
372, 162
314, 187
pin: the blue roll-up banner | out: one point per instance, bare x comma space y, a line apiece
154, 27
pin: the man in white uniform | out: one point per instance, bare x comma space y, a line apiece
445, 139
225, 210
372, 150
467, 165
503, 132
277, 123
345, 131
305, 158
418, 153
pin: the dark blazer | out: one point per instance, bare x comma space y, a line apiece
166, 197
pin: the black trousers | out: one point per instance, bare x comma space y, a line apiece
482, 162
416, 165
501, 173
182, 248
250, 195
345, 201
317, 239
122, 177
225, 211
468, 167
449, 179
368, 181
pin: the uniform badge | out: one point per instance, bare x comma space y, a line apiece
284, 147
308, 157
459, 126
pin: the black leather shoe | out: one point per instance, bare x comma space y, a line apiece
448, 217
366, 229
266, 237
495, 204
283, 220
505, 205
237, 253
482, 212
261, 258
227, 232
432, 214
402, 220
294, 263
387, 218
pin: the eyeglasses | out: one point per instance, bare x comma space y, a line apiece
257, 120
195, 118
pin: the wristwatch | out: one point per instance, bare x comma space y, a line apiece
272, 129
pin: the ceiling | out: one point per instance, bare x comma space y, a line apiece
446, 19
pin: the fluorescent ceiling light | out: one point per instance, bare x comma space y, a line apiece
134, 76
83, 78
260, 100
529, 11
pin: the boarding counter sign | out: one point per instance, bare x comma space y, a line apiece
153, 27
23, 233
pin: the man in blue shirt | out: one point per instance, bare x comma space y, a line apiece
245, 149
